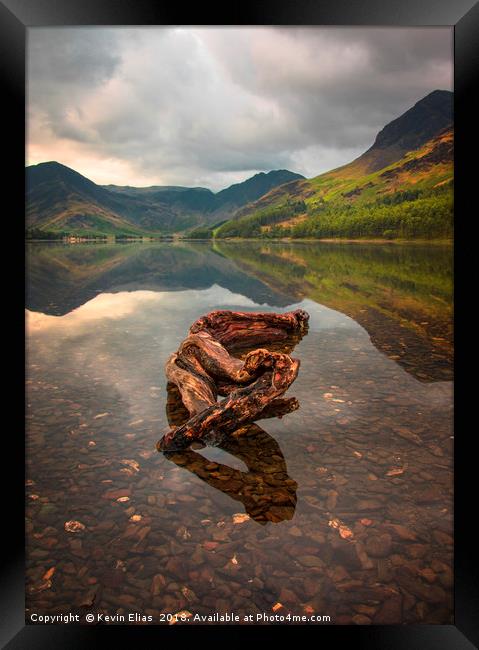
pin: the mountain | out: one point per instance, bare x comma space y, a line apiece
421, 123
200, 198
400, 187
253, 188
60, 199
197, 199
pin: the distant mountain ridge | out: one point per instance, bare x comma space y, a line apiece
60, 199
401, 187
254, 187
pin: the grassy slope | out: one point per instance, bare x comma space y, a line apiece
329, 204
80, 217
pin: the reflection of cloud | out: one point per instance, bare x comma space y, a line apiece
323, 318
106, 305
125, 303
122, 340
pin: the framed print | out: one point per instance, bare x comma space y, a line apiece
240, 237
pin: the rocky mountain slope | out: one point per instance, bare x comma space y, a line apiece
400, 187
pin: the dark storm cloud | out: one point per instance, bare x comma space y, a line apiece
211, 106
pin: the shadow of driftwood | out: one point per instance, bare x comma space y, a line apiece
265, 490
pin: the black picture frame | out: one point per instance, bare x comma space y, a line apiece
16, 16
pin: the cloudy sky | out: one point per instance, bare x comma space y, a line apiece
212, 106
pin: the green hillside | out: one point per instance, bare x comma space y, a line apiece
411, 198
388, 192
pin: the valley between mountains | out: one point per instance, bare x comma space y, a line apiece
400, 188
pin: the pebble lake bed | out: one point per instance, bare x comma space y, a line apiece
339, 513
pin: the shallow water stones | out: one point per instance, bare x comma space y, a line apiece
39, 587
446, 579
429, 593
117, 493
47, 509
415, 551
344, 551
158, 583
47, 542
428, 574
368, 504
379, 545
310, 561
366, 562
390, 612
75, 495
113, 578
402, 532
89, 598
74, 526
240, 518
443, 538
361, 619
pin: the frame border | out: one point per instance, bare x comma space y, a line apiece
16, 16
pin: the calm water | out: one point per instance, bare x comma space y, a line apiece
349, 499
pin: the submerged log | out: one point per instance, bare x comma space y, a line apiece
204, 369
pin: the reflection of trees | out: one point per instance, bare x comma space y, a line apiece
401, 295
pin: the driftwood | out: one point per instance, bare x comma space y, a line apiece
265, 498
266, 491
204, 367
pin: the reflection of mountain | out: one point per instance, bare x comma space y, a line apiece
402, 295
61, 278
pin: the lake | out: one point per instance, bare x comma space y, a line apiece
342, 509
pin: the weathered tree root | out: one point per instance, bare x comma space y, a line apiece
204, 369
236, 329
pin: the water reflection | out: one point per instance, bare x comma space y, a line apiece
62, 278
402, 295
265, 490
369, 452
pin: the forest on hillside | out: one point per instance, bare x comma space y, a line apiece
411, 214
